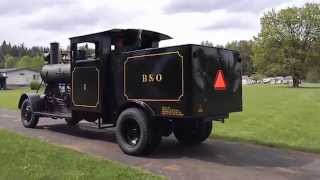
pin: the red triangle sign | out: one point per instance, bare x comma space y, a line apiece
220, 83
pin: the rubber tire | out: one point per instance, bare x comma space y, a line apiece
154, 143
191, 133
149, 138
34, 119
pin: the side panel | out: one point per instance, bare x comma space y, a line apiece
155, 77
85, 86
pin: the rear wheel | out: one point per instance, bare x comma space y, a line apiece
194, 132
72, 121
135, 134
28, 119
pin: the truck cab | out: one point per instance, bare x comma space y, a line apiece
121, 78
91, 67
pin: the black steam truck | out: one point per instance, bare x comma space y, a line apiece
121, 78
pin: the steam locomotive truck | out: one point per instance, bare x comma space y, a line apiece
121, 78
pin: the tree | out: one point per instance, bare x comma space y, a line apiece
19, 50
210, 44
313, 75
246, 53
2, 61
207, 43
10, 56
10, 62
35, 63
288, 43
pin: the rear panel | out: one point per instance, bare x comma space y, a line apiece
215, 94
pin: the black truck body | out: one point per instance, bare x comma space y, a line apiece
133, 84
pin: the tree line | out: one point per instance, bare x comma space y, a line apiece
19, 56
288, 44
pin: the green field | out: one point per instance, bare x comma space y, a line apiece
276, 116
26, 158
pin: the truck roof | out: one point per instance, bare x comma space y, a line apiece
115, 33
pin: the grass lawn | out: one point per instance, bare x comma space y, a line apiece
9, 98
276, 116
26, 158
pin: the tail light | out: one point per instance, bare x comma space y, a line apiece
220, 83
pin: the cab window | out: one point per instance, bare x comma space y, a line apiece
85, 51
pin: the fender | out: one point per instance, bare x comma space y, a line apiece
139, 104
35, 99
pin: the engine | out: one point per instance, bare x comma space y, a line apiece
56, 73
57, 79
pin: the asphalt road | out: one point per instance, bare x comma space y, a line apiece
215, 159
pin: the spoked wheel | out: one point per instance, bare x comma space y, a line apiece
135, 134
28, 119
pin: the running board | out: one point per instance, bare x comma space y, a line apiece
96, 126
100, 125
51, 115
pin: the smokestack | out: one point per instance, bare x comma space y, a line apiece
54, 53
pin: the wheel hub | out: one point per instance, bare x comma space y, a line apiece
132, 132
27, 113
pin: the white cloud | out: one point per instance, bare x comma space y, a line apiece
38, 22
211, 5
236, 21
17, 7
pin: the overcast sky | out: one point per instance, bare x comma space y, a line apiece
38, 22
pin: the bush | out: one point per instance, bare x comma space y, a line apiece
34, 85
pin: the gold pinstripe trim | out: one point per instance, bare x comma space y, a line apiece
83, 105
151, 55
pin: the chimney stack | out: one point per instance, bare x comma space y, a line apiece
54, 53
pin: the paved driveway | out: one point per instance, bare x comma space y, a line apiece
215, 159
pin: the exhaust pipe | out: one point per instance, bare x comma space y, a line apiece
54, 53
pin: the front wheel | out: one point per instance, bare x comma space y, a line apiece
135, 133
193, 132
28, 118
